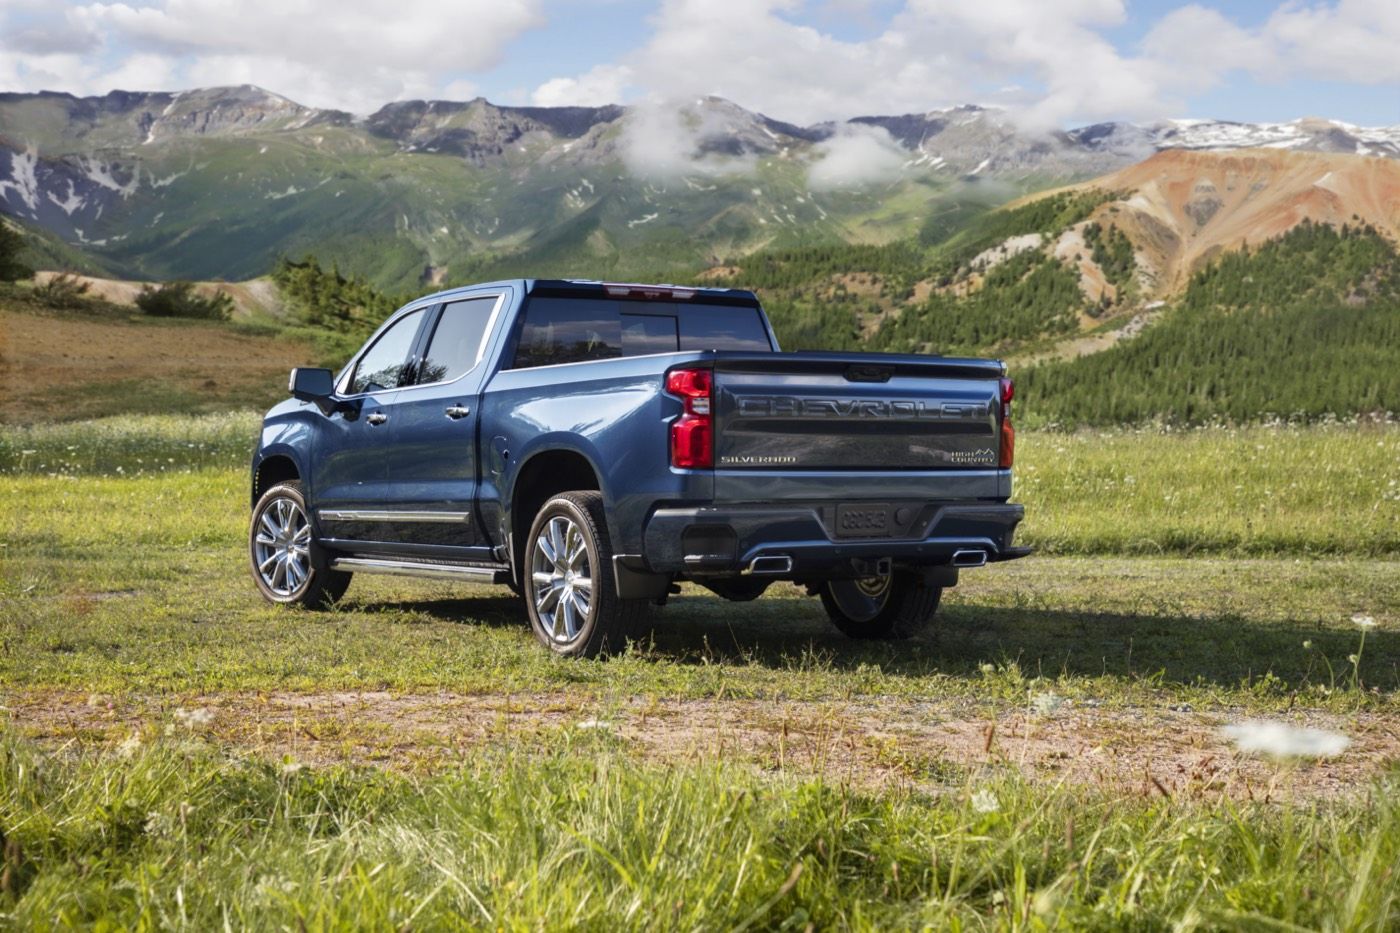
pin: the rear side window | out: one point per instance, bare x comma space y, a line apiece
568, 330
572, 330
456, 344
385, 365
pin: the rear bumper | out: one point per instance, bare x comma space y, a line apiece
725, 540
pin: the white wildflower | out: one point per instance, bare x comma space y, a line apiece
159, 824
984, 801
1364, 621
129, 746
1307, 644
1046, 703
292, 767
1283, 741
595, 724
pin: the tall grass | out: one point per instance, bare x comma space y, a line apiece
130, 444
181, 835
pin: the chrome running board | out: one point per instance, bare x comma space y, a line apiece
413, 568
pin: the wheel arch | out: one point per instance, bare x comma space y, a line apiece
273, 468
540, 477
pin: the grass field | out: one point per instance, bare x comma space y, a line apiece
180, 754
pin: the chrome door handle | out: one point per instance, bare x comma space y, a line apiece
377, 418
458, 411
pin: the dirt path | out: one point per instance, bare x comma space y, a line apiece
1178, 753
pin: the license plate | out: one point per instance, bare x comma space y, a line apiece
862, 521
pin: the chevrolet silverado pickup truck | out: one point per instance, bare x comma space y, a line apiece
592, 444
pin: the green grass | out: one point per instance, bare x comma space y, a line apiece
124, 595
1298, 491
137, 583
184, 834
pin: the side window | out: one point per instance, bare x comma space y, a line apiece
385, 365
568, 330
456, 343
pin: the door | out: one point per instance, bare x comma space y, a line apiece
350, 465
433, 464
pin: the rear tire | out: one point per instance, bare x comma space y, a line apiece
570, 592
279, 552
894, 607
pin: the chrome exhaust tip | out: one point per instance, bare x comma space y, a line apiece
773, 564
969, 558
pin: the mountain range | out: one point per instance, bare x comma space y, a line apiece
218, 182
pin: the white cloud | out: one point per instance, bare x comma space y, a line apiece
458, 90
1049, 63
855, 157
603, 84
1354, 40
330, 53
1197, 46
666, 140
931, 52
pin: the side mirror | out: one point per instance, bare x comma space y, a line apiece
313, 385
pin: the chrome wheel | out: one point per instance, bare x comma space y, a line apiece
281, 547
860, 600
561, 578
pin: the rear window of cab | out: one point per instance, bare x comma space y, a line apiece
574, 330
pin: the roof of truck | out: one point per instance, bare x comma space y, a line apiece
596, 288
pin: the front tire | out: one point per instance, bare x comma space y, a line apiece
279, 552
570, 593
892, 607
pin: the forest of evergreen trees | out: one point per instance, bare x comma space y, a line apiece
1302, 327
1111, 249
1026, 297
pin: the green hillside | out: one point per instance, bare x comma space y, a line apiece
1304, 326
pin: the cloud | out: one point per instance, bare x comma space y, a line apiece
855, 157
1196, 47
602, 84
1354, 40
1049, 64
665, 140
331, 53
929, 53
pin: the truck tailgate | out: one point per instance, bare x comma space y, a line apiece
843, 416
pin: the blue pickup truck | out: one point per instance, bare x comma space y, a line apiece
592, 444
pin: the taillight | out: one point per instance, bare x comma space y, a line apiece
1008, 433
693, 434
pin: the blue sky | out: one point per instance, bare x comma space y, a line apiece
1053, 62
